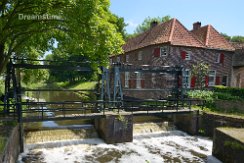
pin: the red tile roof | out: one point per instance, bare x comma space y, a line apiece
211, 38
174, 33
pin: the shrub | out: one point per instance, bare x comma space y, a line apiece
237, 92
201, 94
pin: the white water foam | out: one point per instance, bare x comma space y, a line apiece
165, 146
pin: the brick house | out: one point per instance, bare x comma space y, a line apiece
171, 44
238, 66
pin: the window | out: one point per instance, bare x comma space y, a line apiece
224, 81
127, 58
220, 58
118, 59
127, 78
217, 60
212, 78
163, 51
187, 78
188, 57
185, 55
111, 61
138, 80
140, 56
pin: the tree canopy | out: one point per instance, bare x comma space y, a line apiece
239, 39
86, 28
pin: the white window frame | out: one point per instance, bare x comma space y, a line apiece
212, 83
139, 55
188, 57
127, 78
186, 78
138, 80
127, 58
218, 58
165, 49
118, 59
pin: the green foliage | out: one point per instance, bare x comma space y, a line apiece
84, 28
236, 93
145, 25
239, 39
2, 143
1, 87
200, 71
226, 96
234, 145
202, 94
122, 119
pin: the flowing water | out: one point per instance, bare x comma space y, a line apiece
153, 143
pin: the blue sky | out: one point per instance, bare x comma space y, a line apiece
226, 16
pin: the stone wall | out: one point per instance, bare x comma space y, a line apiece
227, 106
209, 122
228, 145
12, 148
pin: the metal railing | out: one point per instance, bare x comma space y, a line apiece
39, 111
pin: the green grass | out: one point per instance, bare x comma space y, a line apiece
84, 85
2, 143
219, 112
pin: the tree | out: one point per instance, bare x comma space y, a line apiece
199, 72
145, 25
239, 39
84, 27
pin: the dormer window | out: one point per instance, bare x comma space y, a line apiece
163, 51
140, 56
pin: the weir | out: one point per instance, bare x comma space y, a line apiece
148, 139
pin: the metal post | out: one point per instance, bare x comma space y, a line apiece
19, 111
117, 84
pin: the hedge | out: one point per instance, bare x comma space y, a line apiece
238, 92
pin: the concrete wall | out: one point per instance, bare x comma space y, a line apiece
12, 148
238, 77
187, 122
209, 122
115, 129
228, 146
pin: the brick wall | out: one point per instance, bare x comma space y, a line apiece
174, 58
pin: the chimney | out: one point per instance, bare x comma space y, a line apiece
196, 25
154, 23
